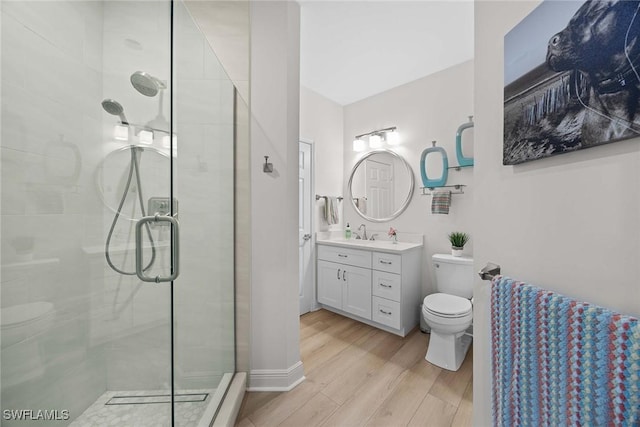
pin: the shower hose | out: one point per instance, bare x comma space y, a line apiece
133, 167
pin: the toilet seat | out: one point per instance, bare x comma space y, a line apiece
445, 305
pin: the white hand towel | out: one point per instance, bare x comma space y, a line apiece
362, 205
331, 210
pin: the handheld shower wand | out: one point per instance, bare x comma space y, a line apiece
114, 108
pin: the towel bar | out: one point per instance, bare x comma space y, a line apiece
318, 197
459, 187
489, 271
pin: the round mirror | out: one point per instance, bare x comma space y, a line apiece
381, 185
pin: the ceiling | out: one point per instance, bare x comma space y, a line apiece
350, 50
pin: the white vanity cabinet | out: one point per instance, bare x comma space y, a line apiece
345, 287
378, 284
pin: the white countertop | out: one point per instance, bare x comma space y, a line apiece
374, 245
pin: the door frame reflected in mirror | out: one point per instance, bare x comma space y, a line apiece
404, 204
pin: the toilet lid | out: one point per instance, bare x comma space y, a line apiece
24, 313
447, 305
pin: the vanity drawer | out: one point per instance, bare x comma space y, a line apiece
345, 256
387, 262
386, 285
386, 312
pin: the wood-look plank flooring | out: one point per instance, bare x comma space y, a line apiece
357, 375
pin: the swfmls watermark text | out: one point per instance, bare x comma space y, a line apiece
35, 415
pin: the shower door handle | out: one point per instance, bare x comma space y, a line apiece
175, 227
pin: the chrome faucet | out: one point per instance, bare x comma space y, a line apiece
373, 236
364, 232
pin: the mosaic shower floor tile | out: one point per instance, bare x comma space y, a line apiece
144, 409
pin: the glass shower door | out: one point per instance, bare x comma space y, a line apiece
203, 183
130, 319
113, 112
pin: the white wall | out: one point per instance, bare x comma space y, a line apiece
226, 27
567, 223
275, 100
321, 120
427, 109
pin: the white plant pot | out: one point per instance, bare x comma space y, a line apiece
456, 251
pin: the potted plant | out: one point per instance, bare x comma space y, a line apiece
458, 239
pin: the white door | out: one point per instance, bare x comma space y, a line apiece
304, 228
330, 283
356, 294
379, 187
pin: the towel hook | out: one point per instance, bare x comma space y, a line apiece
267, 167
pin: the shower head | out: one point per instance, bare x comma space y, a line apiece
114, 108
146, 84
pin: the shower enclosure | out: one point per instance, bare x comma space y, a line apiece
118, 129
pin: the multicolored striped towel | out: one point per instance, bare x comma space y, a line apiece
560, 362
440, 202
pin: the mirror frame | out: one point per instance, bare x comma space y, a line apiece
404, 205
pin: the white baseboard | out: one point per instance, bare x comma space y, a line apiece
276, 379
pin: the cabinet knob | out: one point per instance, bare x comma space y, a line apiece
339, 270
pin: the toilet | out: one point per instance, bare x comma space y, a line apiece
22, 327
449, 312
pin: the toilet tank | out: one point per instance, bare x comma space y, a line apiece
454, 275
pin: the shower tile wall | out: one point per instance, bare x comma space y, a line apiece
51, 144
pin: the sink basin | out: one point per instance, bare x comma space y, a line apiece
378, 245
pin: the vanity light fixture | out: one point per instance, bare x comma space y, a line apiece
121, 133
375, 141
376, 138
145, 137
359, 145
393, 138
166, 142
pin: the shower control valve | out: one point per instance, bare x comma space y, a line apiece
160, 206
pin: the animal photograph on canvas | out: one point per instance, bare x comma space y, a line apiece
572, 78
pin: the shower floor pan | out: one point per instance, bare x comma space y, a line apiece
145, 408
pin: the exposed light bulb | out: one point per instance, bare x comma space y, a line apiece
358, 145
393, 138
145, 137
121, 133
375, 141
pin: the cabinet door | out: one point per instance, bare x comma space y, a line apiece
356, 297
330, 283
